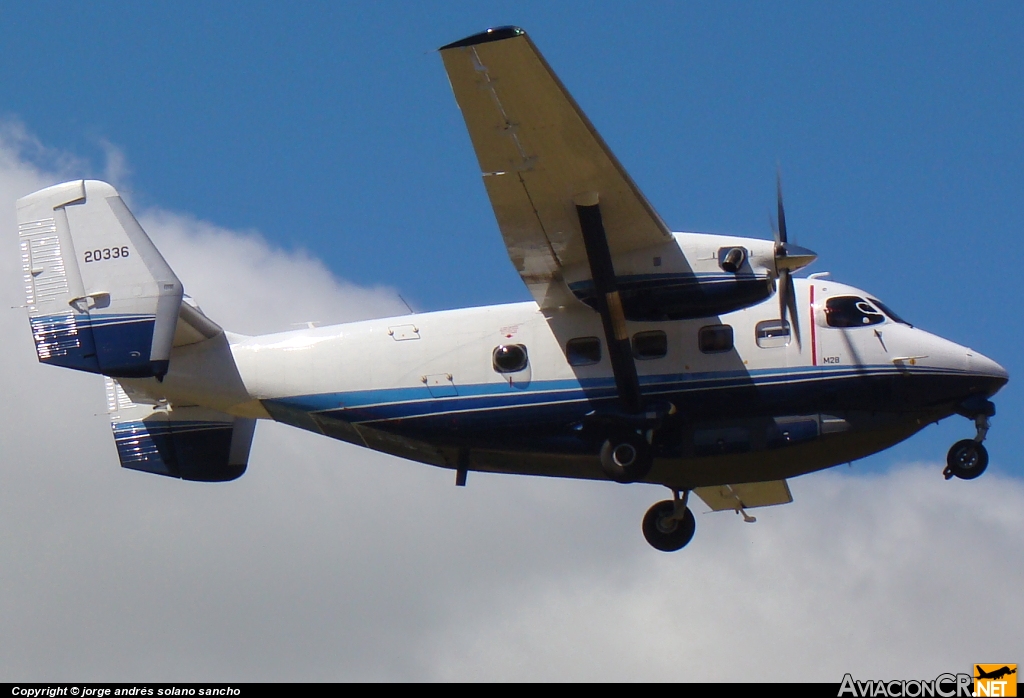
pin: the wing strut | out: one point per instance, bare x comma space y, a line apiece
609, 304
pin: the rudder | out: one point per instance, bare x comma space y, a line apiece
100, 296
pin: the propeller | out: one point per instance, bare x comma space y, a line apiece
788, 258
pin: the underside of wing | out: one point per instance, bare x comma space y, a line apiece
541, 157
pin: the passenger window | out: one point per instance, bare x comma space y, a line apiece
509, 358
772, 333
851, 311
650, 345
714, 339
583, 351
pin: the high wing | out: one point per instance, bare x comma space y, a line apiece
541, 157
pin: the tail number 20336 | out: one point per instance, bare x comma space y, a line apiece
106, 253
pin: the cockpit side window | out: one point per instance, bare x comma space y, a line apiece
851, 311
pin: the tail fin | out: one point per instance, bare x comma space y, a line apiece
100, 296
191, 442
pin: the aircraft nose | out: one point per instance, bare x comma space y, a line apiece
981, 365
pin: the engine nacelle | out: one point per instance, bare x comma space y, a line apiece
716, 274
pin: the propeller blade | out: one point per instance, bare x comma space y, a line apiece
787, 260
788, 312
784, 283
794, 313
782, 237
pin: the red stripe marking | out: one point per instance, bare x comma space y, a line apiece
814, 342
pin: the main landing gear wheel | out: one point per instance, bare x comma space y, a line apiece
626, 457
664, 531
967, 459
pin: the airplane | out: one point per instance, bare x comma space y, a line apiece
995, 674
694, 361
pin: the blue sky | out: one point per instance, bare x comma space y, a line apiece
899, 130
331, 128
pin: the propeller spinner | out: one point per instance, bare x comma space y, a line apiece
788, 258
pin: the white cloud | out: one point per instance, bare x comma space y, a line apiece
115, 167
330, 562
249, 286
896, 575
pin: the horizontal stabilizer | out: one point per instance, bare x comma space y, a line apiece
745, 496
191, 443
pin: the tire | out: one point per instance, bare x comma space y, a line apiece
626, 457
670, 536
967, 459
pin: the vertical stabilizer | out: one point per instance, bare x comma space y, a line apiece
100, 296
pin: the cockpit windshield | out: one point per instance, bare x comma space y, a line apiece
888, 311
851, 311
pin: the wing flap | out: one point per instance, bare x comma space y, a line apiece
745, 496
538, 154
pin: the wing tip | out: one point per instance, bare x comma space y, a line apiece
492, 34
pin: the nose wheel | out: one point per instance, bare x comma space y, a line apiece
968, 458
669, 525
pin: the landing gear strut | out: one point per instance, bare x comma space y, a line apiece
669, 525
968, 458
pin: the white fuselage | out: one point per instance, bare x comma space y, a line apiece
425, 386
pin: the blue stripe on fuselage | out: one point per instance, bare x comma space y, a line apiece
367, 406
